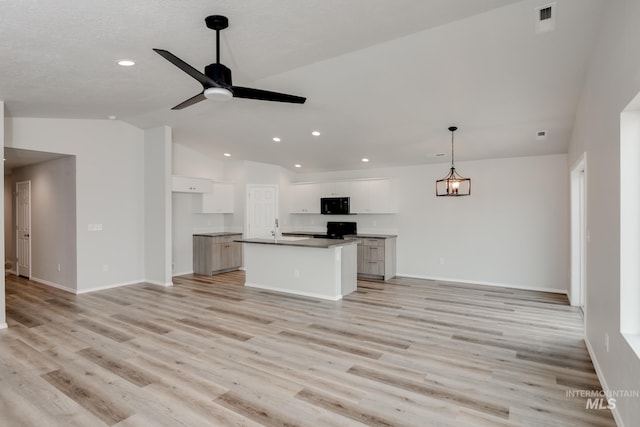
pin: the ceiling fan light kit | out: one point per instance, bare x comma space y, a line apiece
216, 81
453, 184
218, 94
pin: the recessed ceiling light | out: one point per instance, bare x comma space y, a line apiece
365, 160
227, 155
315, 133
126, 62
276, 139
297, 166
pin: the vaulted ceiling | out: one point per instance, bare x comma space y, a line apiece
383, 78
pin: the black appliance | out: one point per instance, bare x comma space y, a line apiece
334, 206
337, 230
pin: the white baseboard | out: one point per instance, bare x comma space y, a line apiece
615, 411
53, 285
475, 282
98, 288
15, 273
3, 325
110, 286
182, 273
289, 291
165, 284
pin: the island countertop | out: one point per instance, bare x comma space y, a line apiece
302, 242
219, 234
350, 236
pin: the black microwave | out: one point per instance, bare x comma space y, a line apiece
334, 205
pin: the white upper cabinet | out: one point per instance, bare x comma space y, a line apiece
367, 196
335, 189
218, 200
305, 198
359, 197
185, 184
374, 196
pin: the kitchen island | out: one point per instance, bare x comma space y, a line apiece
319, 268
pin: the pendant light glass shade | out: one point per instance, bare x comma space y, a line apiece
453, 184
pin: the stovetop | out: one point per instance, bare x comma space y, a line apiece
339, 229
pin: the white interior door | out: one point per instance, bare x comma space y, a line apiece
578, 293
262, 210
23, 228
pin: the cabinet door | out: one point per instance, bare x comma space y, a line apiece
184, 184
359, 197
219, 200
305, 198
216, 256
231, 255
335, 189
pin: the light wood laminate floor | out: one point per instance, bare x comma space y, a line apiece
209, 351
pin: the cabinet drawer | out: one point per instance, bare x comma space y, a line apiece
373, 242
374, 253
375, 268
226, 239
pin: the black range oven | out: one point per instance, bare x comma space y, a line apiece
339, 229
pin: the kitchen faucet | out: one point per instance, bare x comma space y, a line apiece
275, 230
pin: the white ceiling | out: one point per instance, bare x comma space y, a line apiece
383, 78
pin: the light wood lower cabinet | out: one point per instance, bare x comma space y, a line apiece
216, 254
377, 257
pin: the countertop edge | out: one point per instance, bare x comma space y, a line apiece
356, 236
304, 243
220, 234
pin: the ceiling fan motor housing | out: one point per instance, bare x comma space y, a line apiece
219, 74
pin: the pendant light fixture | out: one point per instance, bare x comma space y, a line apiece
453, 184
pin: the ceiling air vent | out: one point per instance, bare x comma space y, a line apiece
546, 18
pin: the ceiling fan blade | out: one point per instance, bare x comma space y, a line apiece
203, 79
193, 100
265, 95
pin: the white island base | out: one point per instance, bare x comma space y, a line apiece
328, 272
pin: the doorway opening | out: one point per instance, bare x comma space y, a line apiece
578, 293
23, 228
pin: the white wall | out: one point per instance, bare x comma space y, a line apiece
53, 220
157, 205
510, 232
109, 190
613, 80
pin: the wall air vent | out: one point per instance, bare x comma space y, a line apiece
545, 18
541, 135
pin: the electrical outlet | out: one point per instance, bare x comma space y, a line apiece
105, 267
296, 273
441, 260
606, 342
59, 267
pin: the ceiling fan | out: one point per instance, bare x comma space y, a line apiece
216, 80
